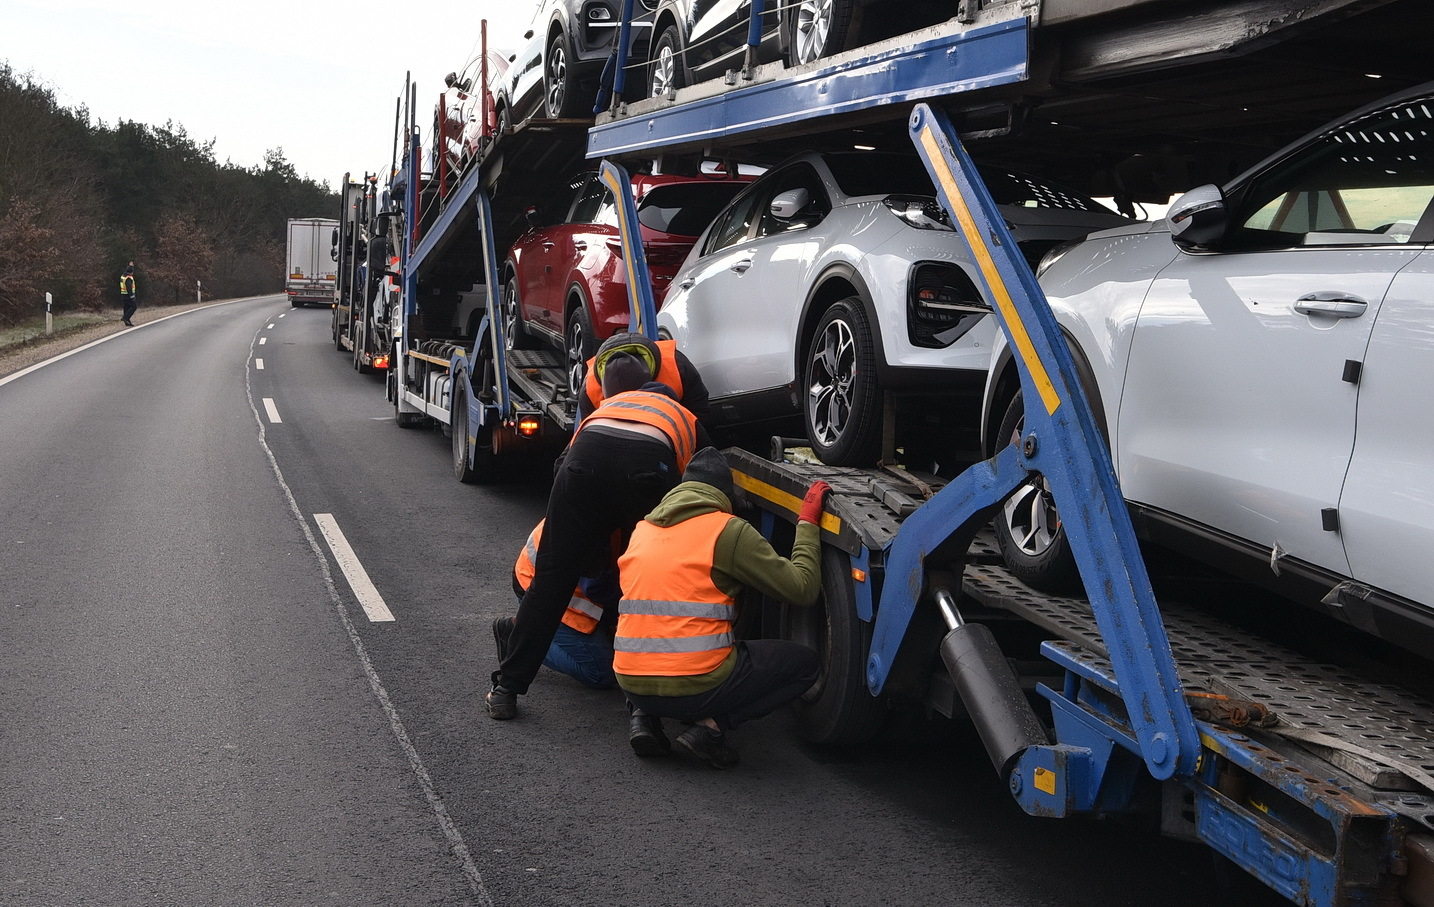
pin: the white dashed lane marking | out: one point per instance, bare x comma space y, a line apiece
368, 598
259, 364
272, 410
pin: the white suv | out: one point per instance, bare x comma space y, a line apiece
1261, 362
837, 277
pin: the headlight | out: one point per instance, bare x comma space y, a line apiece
919, 212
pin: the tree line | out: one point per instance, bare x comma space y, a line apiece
80, 198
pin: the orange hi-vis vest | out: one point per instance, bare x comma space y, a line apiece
667, 373
583, 614
658, 410
673, 621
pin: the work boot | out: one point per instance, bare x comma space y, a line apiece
502, 702
708, 745
502, 632
646, 735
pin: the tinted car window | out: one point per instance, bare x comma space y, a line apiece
799, 176
687, 208
1365, 183
732, 227
589, 201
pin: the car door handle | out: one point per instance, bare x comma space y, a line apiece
1331, 304
741, 266
547, 245
687, 283
580, 246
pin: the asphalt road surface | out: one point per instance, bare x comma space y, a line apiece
197, 708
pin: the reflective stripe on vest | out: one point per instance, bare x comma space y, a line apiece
582, 613
667, 372
673, 620
658, 410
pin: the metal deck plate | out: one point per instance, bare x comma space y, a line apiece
1380, 733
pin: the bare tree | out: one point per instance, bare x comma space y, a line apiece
183, 253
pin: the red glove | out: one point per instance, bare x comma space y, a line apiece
812, 503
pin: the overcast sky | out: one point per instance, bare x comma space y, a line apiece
317, 78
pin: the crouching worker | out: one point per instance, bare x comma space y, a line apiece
623, 458
582, 645
674, 652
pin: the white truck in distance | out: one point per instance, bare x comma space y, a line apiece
310, 271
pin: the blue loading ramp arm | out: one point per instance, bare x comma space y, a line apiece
1061, 441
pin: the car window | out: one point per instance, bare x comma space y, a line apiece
797, 176
589, 201
1367, 182
734, 224
685, 209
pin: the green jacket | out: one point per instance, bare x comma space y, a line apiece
742, 559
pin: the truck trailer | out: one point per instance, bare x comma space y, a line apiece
310, 271
1311, 777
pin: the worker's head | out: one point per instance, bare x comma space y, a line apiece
633, 345
709, 467
623, 373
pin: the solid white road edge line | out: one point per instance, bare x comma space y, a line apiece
375, 683
272, 410
364, 589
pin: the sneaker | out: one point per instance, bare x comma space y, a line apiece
708, 745
502, 632
502, 702
646, 735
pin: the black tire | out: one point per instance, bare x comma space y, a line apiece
578, 347
515, 329
403, 419
294, 303
560, 85
838, 710
458, 421
665, 70
818, 28
842, 406
338, 338
1028, 527
505, 122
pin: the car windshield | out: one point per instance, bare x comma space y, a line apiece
686, 209
902, 174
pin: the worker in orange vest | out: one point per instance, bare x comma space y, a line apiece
675, 653
623, 458
582, 645
667, 364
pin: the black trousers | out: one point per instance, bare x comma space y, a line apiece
769, 674
130, 304
608, 482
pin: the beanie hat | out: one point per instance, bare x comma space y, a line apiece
709, 467
623, 373
632, 344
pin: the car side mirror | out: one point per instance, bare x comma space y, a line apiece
534, 219
1198, 218
787, 205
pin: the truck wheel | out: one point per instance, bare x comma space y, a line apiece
838, 710
404, 420
843, 405
296, 304
1028, 526
338, 338
459, 422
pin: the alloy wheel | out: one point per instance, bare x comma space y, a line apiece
664, 70
829, 397
557, 78
577, 363
813, 26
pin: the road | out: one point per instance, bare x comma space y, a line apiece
195, 707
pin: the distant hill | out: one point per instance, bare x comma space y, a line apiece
79, 199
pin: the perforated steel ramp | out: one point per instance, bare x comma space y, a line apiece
1379, 733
